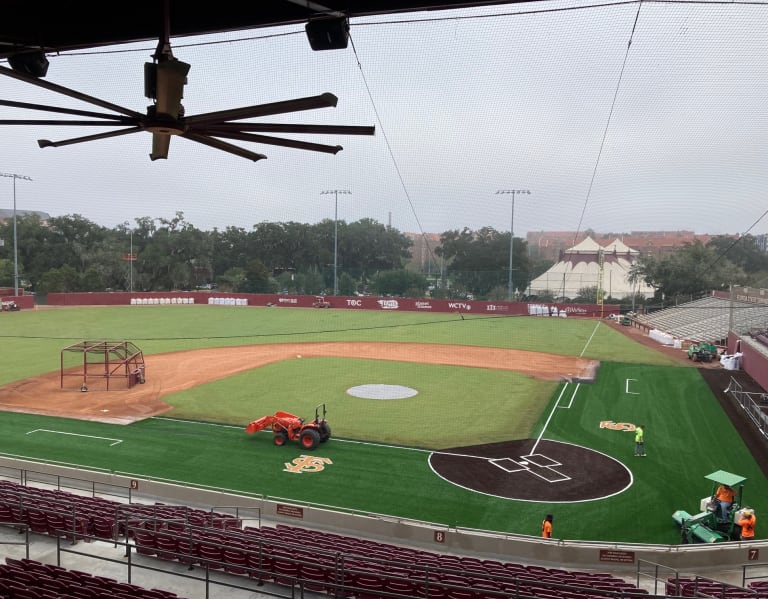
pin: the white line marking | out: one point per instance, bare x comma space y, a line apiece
217, 425
544, 428
44, 430
573, 396
627, 391
590, 339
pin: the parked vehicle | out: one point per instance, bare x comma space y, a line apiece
288, 427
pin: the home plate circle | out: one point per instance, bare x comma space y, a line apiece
382, 391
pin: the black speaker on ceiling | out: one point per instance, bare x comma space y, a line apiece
328, 33
30, 63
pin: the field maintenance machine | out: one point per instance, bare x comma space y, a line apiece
708, 526
321, 302
702, 352
287, 427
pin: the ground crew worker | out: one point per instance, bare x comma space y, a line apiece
546, 527
747, 524
640, 440
724, 498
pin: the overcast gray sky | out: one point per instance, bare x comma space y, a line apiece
671, 133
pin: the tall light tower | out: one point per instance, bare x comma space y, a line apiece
336, 193
14, 176
513, 192
131, 259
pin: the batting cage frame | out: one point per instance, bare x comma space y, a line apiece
103, 360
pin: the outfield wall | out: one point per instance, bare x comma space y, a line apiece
699, 559
25, 302
385, 304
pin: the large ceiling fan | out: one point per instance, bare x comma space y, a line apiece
164, 81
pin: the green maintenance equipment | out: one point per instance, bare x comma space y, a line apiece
702, 352
708, 526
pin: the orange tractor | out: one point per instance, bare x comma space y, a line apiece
321, 302
287, 427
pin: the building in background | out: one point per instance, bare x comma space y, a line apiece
548, 245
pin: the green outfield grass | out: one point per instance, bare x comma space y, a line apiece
377, 461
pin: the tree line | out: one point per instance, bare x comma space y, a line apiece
71, 253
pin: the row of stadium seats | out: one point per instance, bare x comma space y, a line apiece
296, 557
701, 587
59, 513
31, 579
352, 567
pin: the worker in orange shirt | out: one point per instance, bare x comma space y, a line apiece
724, 499
747, 524
546, 527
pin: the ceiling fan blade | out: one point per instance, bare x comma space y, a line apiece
65, 123
291, 128
278, 141
309, 103
161, 142
224, 146
59, 89
45, 143
46, 108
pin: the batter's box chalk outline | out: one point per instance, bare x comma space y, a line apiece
545, 472
508, 465
540, 460
50, 432
549, 474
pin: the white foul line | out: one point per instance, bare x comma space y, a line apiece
570, 403
551, 413
44, 430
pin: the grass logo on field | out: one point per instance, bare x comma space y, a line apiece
307, 463
617, 426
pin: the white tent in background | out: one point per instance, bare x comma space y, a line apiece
579, 268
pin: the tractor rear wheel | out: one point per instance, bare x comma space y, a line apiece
309, 438
325, 432
280, 438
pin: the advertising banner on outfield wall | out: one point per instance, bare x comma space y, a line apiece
384, 304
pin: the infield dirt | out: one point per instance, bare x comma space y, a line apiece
173, 372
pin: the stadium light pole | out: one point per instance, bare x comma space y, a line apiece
336, 193
14, 176
130, 260
513, 193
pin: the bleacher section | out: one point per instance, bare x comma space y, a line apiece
761, 337
707, 319
287, 556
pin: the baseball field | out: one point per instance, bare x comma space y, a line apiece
473, 421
